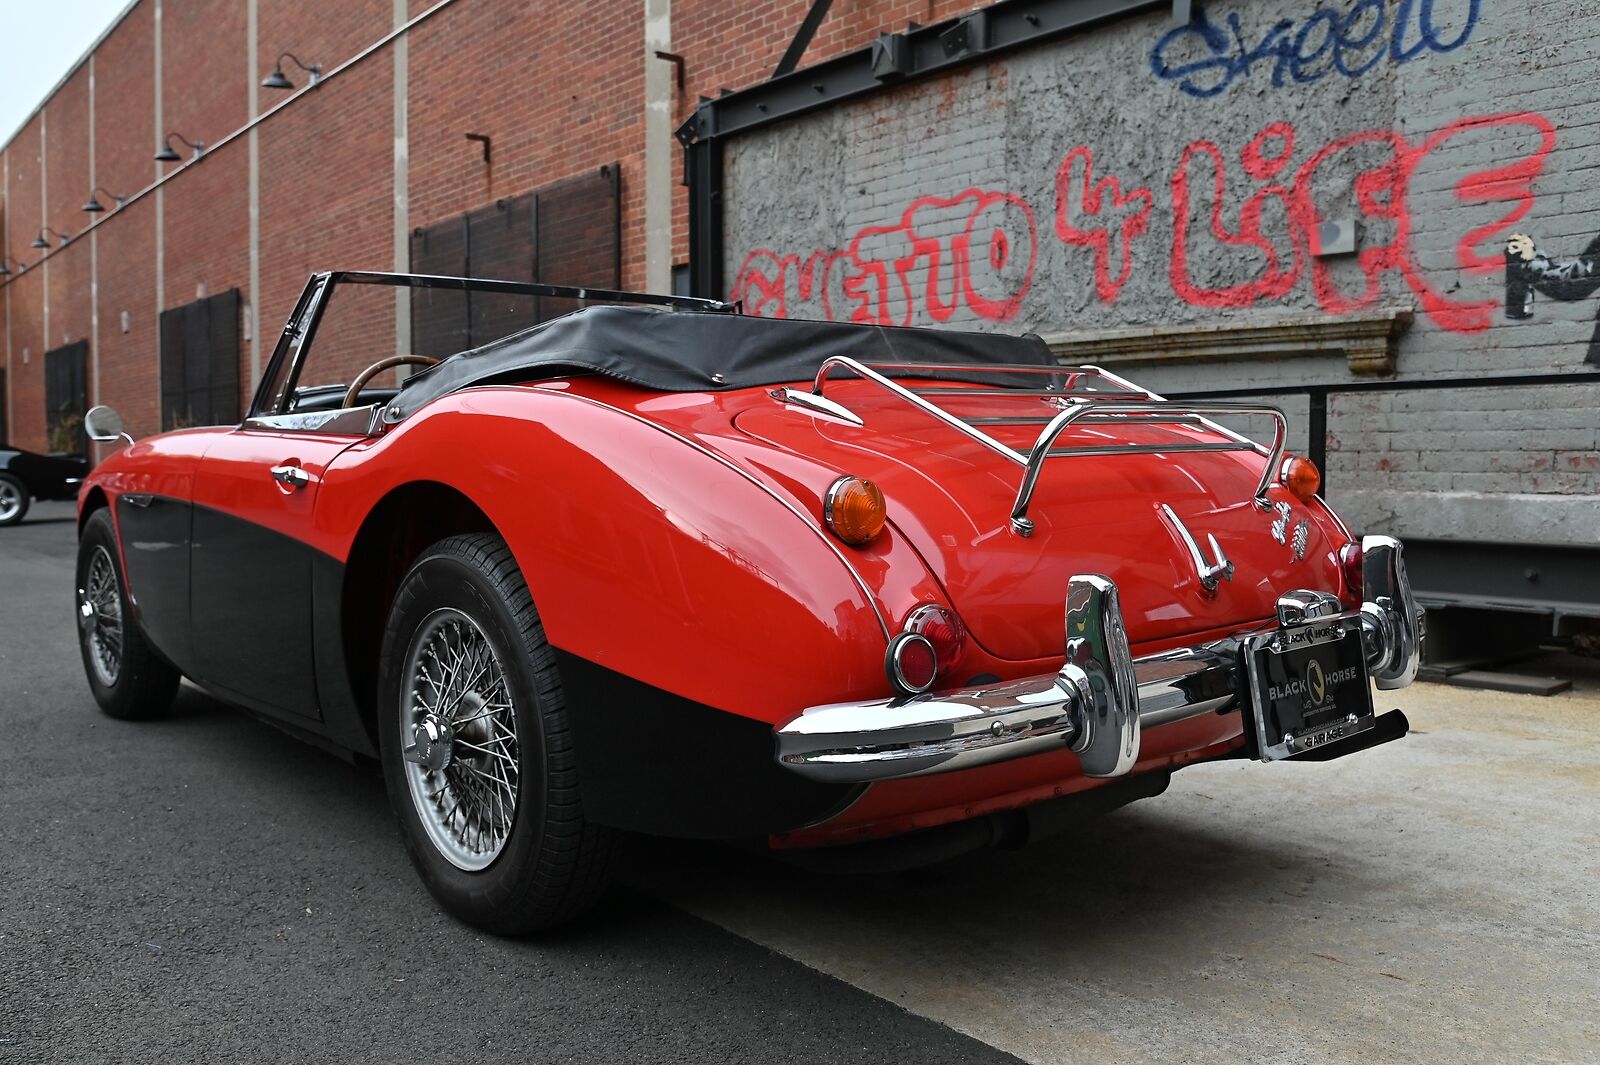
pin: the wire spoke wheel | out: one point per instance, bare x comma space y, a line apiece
459, 725
100, 615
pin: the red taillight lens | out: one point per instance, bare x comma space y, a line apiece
911, 663
1301, 476
1350, 571
944, 630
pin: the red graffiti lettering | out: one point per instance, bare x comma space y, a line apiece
1511, 185
1129, 224
975, 252
1384, 193
943, 254
1276, 277
764, 279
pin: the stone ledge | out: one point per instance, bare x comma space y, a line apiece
1506, 518
1367, 341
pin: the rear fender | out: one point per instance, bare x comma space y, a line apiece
645, 553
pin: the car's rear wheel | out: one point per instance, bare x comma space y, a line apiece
14, 499
128, 679
477, 752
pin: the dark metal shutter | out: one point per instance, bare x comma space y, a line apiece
200, 362
439, 316
66, 398
568, 233
578, 229
500, 243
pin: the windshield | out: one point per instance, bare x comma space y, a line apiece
377, 330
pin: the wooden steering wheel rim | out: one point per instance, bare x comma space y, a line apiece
377, 368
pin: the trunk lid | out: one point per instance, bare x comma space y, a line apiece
952, 497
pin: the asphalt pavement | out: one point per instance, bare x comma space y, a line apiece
204, 888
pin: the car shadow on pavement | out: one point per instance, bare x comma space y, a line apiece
1139, 857
1080, 887
67, 520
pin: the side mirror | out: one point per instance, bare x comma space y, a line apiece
104, 425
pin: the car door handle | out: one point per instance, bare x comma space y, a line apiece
292, 476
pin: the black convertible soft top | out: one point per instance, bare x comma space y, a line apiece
688, 351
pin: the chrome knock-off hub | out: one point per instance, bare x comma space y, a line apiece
432, 744
462, 761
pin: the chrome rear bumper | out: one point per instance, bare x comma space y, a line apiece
1101, 698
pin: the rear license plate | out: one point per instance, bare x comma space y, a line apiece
1308, 686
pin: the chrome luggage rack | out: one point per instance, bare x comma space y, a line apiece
1129, 404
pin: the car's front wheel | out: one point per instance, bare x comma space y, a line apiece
128, 679
477, 752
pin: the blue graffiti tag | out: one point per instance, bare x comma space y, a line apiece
1348, 43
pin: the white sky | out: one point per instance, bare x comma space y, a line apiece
40, 40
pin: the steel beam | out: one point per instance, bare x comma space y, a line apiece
802, 37
919, 52
703, 175
1564, 581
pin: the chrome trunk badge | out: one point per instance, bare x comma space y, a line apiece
1210, 573
1280, 524
1302, 536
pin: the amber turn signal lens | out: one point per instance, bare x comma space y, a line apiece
854, 510
1301, 476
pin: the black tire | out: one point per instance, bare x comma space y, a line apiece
143, 684
17, 495
553, 865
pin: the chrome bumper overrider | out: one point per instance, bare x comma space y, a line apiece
1100, 699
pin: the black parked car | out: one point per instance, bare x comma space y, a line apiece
26, 476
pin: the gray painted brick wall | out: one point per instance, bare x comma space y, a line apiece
937, 203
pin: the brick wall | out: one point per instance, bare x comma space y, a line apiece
25, 357
559, 94
205, 94
558, 88
124, 102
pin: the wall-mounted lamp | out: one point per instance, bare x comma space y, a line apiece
276, 80
94, 206
166, 154
5, 270
41, 241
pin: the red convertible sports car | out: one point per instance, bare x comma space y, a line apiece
864, 596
